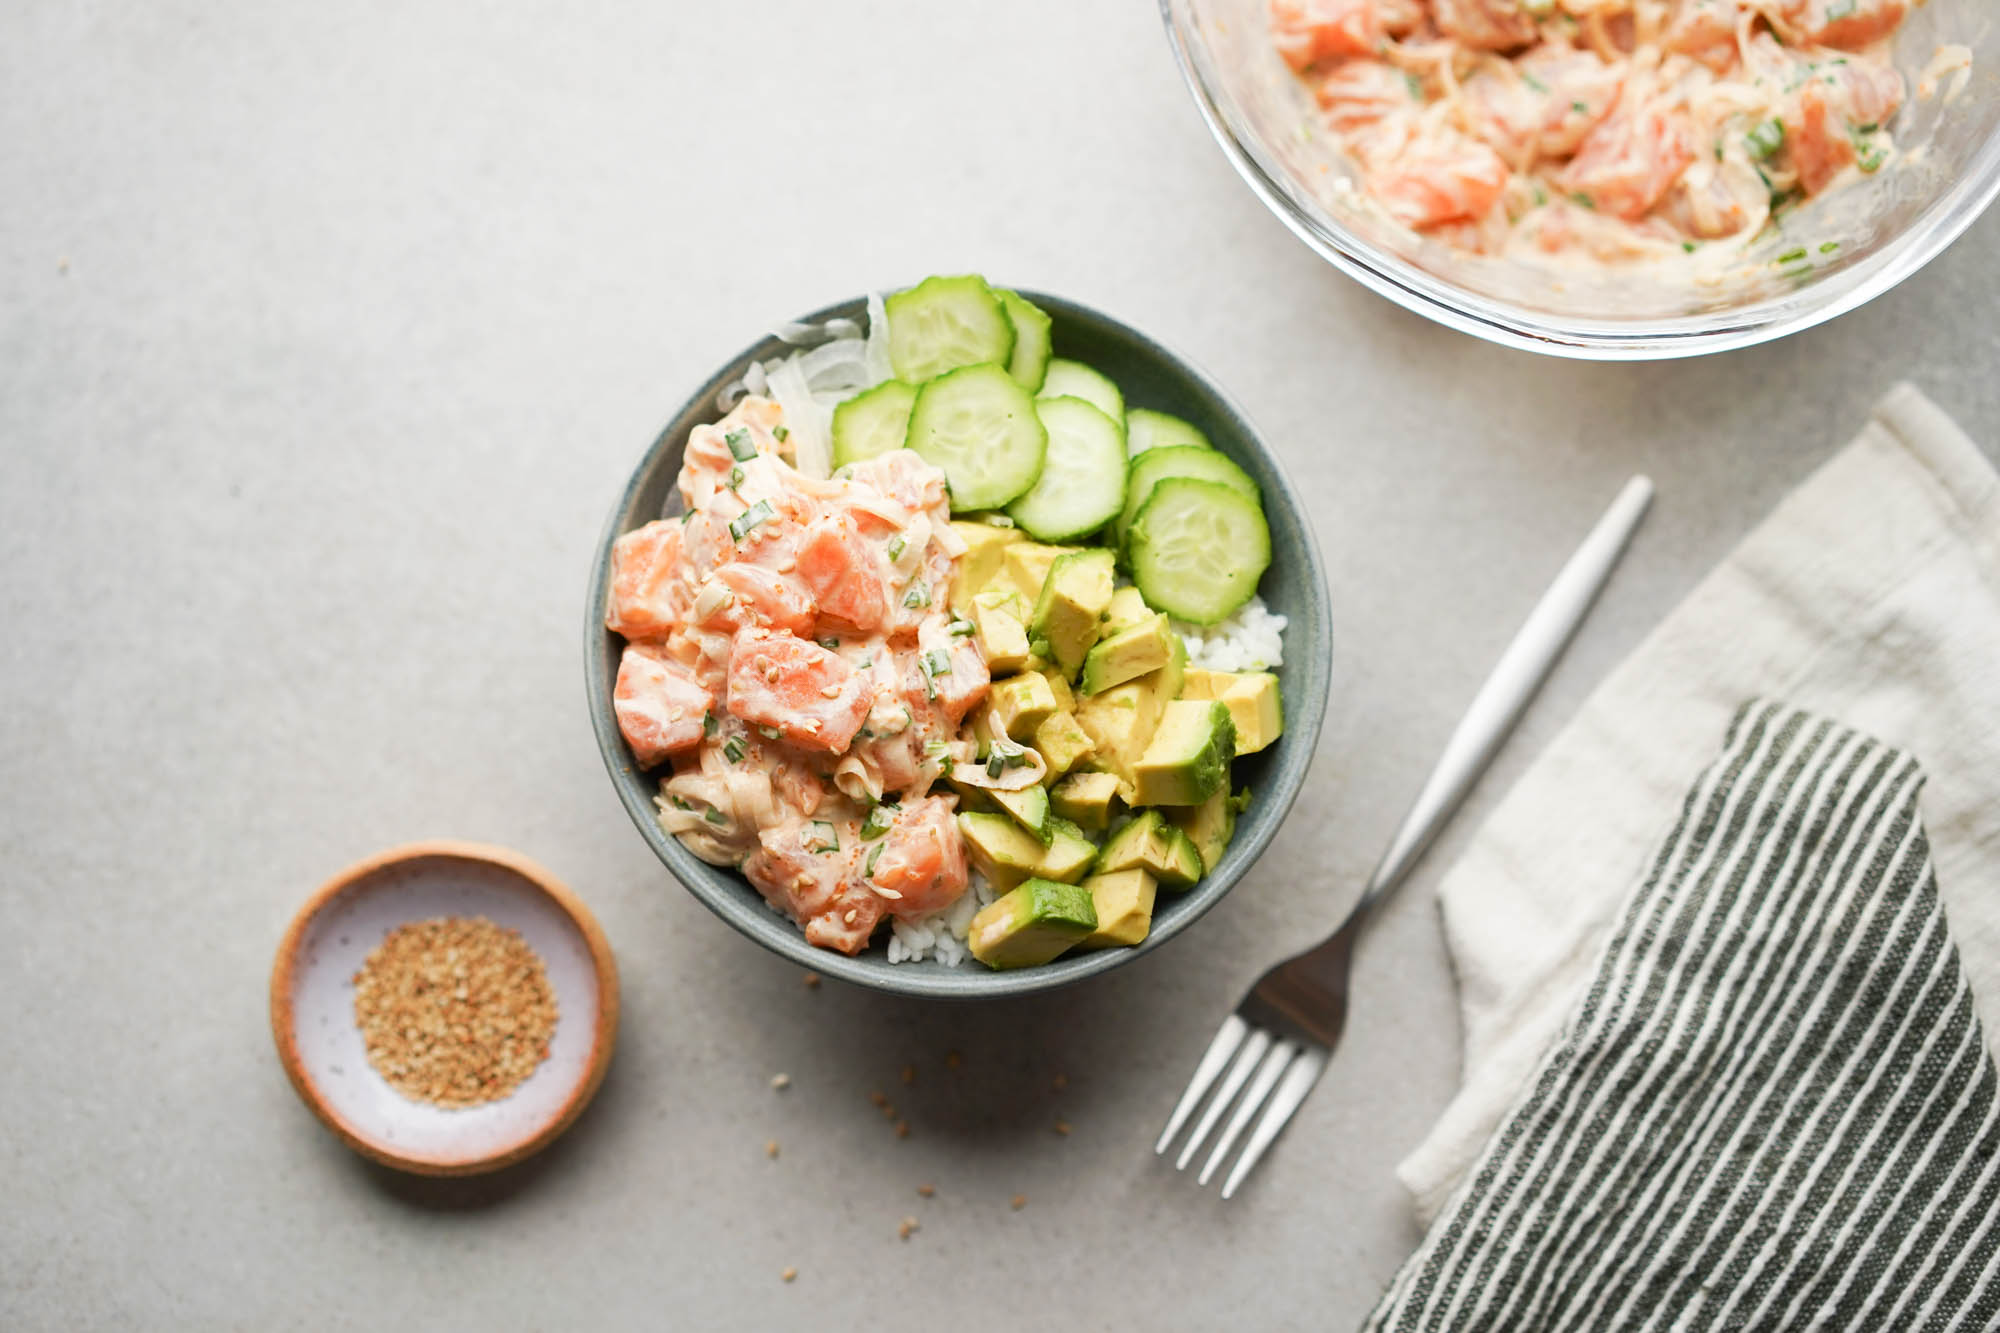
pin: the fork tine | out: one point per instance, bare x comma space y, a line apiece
1212, 1060
1253, 1050
1260, 1088
1299, 1080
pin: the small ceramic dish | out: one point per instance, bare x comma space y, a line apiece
312, 1005
1294, 586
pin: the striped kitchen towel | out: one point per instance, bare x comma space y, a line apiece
1774, 1108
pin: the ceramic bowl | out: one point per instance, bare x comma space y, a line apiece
312, 1005
1295, 586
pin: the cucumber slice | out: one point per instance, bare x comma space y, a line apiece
944, 323
1177, 460
1146, 429
1198, 549
1030, 363
979, 426
872, 422
1082, 486
1073, 379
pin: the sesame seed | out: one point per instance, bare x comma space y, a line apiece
781, 1081
877, 1099
909, 1074
1020, 1201
902, 1129
788, 1274
1062, 1127
908, 1227
829, 692
811, 980
771, 1149
927, 1190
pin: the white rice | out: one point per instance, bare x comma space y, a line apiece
1250, 640
941, 934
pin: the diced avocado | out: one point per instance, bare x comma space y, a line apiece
1067, 609
1031, 924
1209, 826
1142, 844
1029, 806
1026, 566
1123, 901
1006, 853
1168, 681
985, 553
1086, 798
971, 799
1062, 742
1187, 761
1021, 703
1182, 866
1065, 696
1070, 854
1253, 701
1127, 607
1000, 849
1120, 723
1002, 637
1132, 652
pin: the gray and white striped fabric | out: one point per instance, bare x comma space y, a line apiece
1774, 1108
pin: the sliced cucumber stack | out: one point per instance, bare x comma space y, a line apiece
1146, 429
1082, 486
1177, 460
1198, 548
1073, 379
979, 427
1030, 362
872, 422
944, 323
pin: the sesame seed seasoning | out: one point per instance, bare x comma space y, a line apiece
788, 1275
779, 1082
1020, 1201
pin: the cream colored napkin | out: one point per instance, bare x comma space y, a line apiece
1871, 594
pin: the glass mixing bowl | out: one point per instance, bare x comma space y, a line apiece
1859, 241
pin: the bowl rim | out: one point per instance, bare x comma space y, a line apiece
1304, 718
1509, 324
603, 1038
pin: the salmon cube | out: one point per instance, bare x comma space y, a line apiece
1849, 24
1309, 31
1360, 92
1631, 159
922, 860
949, 672
645, 584
1445, 181
659, 706
840, 568
761, 597
1819, 148
807, 693
1487, 25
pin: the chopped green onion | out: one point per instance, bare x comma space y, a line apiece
686, 516
875, 825
1838, 10
1766, 139
1533, 82
749, 519
961, 628
829, 643
734, 749
781, 434
741, 447
1416, 85
897, 546
1688, 246
821, 837
1828, 247
918, 595
679, 803
994, 766
715, 817
1583, 200
1792, 256
1581, 108
934, 663
768, 733
873, 856
735, 477
709, 726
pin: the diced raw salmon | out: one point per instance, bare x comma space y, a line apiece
659, 706
837, 564
1817, 144
1705, 30
1577, 91
1631, 159
923, 858
1486, 25
1309, 31
1360, 92
646, 581
808, 693
903, 477
1441, 179
1849, 24
819, 889
761, 597
963, 682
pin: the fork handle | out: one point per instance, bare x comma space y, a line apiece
1512, 683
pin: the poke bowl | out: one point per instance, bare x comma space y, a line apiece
723, 739
1907, 176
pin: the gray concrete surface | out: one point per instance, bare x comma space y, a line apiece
327, 335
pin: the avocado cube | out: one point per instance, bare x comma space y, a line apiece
1021, 703
1253, 700
1065, 696
1120, 722
1000, 849
970, 798
1032, 924
1069, 605
985, 551
1140, 844
1187, 761
1209, 826
1127, 608
1086, 798
1170, 680
1063, 743
1069, 855
1123, 901
1130, 653
1003, 639
1026, 566
1029, 806
1182, 866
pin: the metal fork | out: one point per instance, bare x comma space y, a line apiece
1285, 1030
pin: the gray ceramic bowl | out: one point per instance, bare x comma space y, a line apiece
1151, 376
